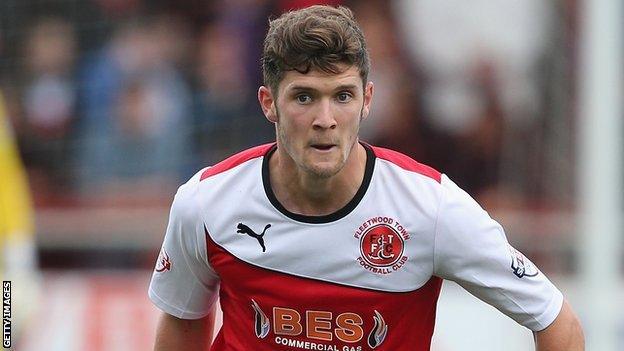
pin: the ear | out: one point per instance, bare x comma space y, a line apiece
368, 98
267, 102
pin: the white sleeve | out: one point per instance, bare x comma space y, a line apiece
471, 249
183, 283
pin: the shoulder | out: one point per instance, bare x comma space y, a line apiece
193, 192
235, 160
185, 200
404, 162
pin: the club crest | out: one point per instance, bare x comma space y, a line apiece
381, 246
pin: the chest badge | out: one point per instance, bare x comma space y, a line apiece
382, 245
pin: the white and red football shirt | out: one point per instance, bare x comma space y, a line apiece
365, 277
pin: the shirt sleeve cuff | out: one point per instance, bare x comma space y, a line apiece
549, 315
173, 310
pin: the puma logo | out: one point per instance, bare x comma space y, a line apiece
243, 229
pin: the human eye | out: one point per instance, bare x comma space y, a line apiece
344, 96
303, 98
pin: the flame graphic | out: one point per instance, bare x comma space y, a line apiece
164, 264
261, 321
378, 334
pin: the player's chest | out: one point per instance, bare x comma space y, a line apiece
375, 250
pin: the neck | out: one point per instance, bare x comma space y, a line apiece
306, 194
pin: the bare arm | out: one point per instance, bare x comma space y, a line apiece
564, 334
174, 333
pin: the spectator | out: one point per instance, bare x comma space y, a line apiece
136, 126
462, 45
226, 108
395, 117
49, 101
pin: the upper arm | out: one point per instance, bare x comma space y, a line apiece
184, 284
471, 249
174, 333
565, 333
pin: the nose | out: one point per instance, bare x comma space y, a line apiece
324, 116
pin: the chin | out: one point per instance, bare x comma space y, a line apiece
324, 170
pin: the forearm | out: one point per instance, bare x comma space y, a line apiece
564, 334
181, 334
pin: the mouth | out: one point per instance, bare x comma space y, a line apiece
323, 147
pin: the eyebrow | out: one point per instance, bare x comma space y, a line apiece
307, 88
347, 87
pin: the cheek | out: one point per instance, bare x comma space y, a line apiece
291, 127
355, 121
295, 123
290, 133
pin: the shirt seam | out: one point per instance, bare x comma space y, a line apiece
556, 299
179, 312
435, 228
531, 320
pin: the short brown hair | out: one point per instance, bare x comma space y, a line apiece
317, 37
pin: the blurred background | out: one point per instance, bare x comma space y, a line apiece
107, 106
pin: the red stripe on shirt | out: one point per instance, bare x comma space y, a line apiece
236, 160
406, 163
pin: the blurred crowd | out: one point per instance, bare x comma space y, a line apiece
119, 101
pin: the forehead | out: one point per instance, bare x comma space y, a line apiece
320, 80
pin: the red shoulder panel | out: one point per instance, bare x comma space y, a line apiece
406, 163
236, 160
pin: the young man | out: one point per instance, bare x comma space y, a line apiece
321, 242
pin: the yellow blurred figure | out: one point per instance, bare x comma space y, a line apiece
17, 242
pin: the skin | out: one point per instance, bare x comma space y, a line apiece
565, 333
316, 170
173, 333
319, 164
